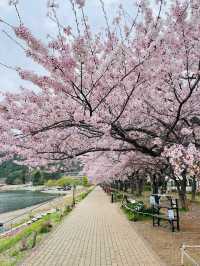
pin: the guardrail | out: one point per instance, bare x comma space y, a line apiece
9, 226
33, 208
184, 254
13, 231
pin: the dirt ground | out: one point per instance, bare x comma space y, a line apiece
167, 244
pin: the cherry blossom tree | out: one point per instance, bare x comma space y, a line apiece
133, 87
184, 162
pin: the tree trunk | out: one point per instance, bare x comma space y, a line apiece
139, 186
142, 185
118, 185
125, 186
183, 200
181, 187
194, 188
121, 185
132, 185
155, 186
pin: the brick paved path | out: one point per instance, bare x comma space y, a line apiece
96, 233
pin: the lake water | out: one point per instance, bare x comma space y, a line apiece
13, 200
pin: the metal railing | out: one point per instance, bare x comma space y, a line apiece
10, 225
184, 254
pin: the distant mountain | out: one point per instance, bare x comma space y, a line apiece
13, 173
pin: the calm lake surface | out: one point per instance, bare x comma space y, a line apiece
14, 200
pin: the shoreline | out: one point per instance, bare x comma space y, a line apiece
15, 216
43, 189
20, 187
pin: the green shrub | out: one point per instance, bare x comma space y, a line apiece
117, 196
130, 216
64, 181
37, 178
67, 210
15, 253
51, 183
138, 211
137, 207
147, 188
67, 180
45, 227
85, 181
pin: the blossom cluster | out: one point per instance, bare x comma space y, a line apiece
117, 99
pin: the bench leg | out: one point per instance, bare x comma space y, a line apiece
173, 229
172, 225
178, 226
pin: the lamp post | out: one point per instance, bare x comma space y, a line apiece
73, 195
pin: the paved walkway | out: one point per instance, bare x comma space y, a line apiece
96, 233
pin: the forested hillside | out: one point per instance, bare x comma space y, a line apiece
13, 173
19, 174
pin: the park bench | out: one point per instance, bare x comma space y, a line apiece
126, 200
171, 212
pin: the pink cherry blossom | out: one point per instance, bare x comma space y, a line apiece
123, 98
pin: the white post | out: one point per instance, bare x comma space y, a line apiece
182, 254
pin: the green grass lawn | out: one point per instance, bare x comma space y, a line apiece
14, 247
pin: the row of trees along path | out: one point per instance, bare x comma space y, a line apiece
127, 96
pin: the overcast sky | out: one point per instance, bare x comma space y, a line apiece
33, 13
